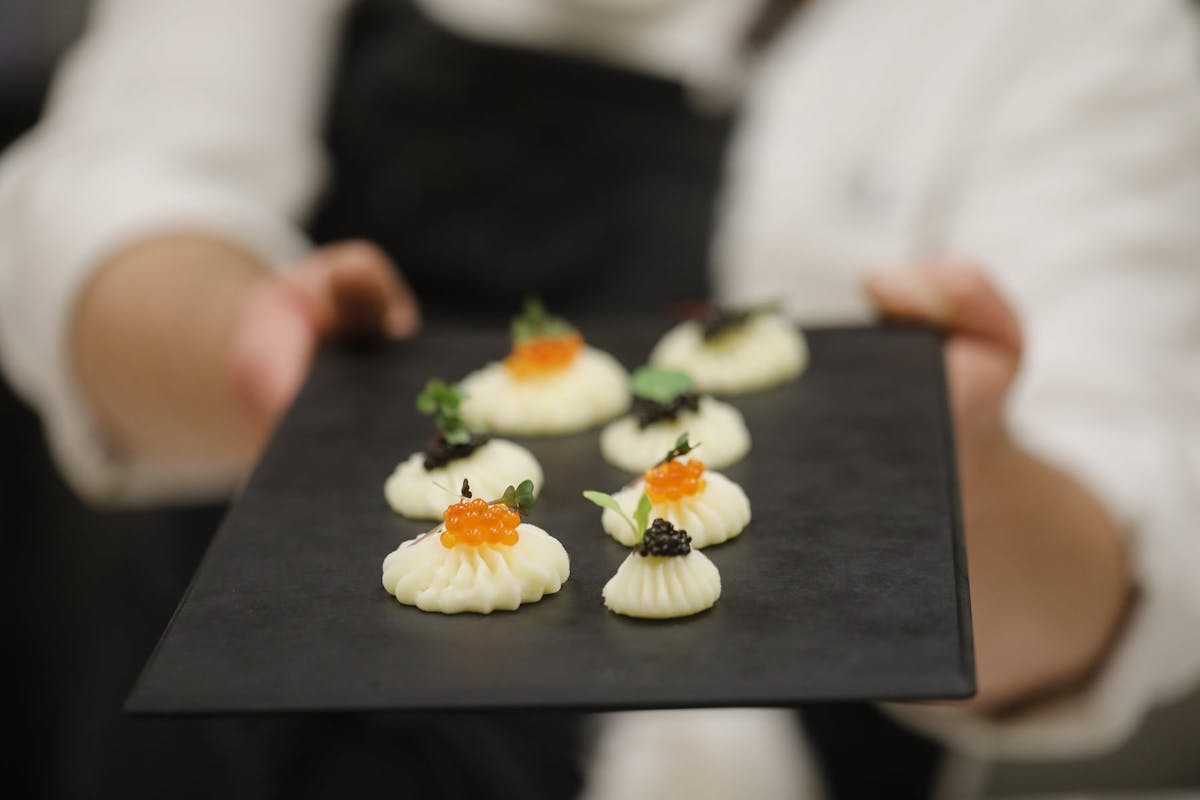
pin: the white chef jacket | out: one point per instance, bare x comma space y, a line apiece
1056, 143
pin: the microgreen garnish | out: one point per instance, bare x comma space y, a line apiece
455, 439
662, 394
535, 322
681, 448
659, 385
519, 497
641, 515
445, 403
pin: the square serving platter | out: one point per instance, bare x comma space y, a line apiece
849, 584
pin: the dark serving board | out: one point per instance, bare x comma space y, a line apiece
849, 584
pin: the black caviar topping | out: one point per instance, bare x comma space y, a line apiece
719, 321
663, 539
647, 411
440, 452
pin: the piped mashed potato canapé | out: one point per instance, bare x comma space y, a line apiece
483, 558
733, 352
711, 507
418, 492
666, 405
663, 578
423, 485
551, 383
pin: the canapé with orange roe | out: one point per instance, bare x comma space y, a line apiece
542, 356
682, 491
482, 558
550, 383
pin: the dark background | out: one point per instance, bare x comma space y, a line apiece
88, 592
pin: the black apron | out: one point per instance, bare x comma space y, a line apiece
489, 172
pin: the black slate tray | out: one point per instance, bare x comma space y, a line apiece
849, 584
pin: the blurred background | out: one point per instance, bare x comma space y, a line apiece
32, 34
88, 593
78, 583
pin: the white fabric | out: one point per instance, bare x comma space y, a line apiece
693, 40
710, 754
1057, 143
201, 116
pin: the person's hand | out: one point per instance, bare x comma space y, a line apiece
1048, 570
345, 290
983, 352
187, 347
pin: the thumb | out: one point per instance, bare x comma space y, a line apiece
955, 296
273, 343
353, 289
983, 352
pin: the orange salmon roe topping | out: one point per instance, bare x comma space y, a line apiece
543, 355
477, 522
674, 480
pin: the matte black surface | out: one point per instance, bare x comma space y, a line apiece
850, 582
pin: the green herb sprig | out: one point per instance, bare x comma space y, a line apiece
444, 402
519, 498
659, 385
535, 322
681, 448
641, 515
